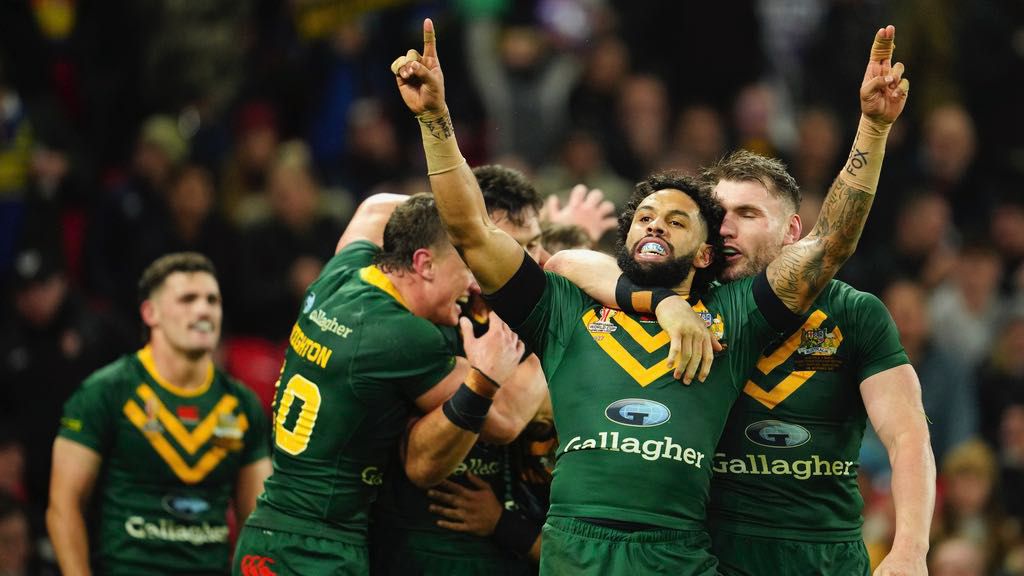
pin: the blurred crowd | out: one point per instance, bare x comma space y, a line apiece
249, 129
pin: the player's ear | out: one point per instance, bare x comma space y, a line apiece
149, 313
793, 231
703, 257
423, 263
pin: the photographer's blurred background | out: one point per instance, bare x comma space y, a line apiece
249, 129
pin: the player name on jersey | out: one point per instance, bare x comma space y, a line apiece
647, 449
799, 469
170, 531
309, 348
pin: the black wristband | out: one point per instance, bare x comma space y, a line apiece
515, 533
637, 299
467, 409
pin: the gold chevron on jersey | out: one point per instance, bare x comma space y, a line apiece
794, 380
156, 423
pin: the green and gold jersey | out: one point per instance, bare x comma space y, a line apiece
357, 360
170, 462
403, 517
635, 443
786, 466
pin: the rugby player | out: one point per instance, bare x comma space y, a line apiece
374, 341
163, 439
631, 484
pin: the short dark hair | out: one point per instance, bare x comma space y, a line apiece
509, 190
414, 224
558, 237
711, 213
153, 277
746, 166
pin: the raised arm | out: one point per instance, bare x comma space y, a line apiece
491, 254
803, 269
370, 219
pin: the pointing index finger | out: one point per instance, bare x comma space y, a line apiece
429, 40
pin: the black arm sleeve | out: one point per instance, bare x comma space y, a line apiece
778, 315
514, 301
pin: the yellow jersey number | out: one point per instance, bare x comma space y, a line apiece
296, 440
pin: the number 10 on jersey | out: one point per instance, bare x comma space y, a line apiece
296, 440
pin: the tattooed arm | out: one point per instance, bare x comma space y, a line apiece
491, 254
803, 269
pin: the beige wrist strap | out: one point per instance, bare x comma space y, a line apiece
439, 144
864, 165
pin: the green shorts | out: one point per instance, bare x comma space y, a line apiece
262, 552
753, 556
572, 547
408, 553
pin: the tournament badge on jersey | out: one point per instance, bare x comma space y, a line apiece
153, 417
603, 323
228, 434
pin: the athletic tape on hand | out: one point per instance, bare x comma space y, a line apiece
882, 48
410, 56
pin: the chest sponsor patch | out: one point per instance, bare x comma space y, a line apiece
638, 412
777, 434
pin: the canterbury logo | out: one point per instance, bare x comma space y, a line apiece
253, 565
796, 379
644, 375
156, 420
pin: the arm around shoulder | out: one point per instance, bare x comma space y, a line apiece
370, 219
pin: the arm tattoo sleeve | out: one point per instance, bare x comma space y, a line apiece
802, 270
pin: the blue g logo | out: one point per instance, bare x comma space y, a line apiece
186, 507
637, 412
309, 303
777, 434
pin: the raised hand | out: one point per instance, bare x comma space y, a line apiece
419, 77
585, 208
883, 93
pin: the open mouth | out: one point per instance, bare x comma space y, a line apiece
731, 254
651, 249
203, 326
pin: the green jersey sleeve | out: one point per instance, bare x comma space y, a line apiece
549, 326
257, 438
356, 255
88, 416
409, 350
879, 347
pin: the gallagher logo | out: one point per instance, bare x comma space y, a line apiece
308, 305
185, 507
777, 434
637, 412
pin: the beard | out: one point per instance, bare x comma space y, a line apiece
751, 265
666, 274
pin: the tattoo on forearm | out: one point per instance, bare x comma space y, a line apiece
803, 270
440, 128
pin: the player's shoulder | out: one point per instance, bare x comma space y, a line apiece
230, 385
117, 373
841, 298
